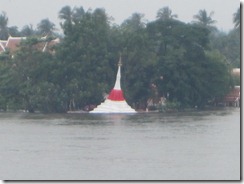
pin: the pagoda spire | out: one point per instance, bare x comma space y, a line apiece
117, 94
120, 61
118, 76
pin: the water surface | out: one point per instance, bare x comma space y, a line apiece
146, 146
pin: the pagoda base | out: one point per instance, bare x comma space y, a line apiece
109, 106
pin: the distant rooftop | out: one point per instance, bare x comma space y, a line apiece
13, 42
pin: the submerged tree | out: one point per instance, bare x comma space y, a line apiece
85, 54
183, 63
138, 60
33, 78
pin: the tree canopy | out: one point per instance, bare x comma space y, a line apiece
165, 14
3, 26
183, 62
237, 18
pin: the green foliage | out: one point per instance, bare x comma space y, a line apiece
205, 20
229, 46
137, 59
28, 84
172, 105
237, 18
86, 57
165, 14
3, 26
46, 27
219, 74
185, 63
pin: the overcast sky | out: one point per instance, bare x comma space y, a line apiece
25, 12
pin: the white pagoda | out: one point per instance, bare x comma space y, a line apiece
115, 102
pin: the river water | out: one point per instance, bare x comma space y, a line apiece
146, 146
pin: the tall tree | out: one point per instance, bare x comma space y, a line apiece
46, 27
205, 20
13, 31
3, 26
137, 61
229, 46
27, 30
85, 54
134, 23
236, 18
165, 14
78, 14
182, 62
66, 14
33, 79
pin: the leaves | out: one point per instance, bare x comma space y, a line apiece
3, 26
165, 14
237, 18
168, 58
46, 27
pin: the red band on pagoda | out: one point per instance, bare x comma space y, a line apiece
116, 95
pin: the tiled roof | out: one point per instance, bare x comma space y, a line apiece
13, 43
3, 42
44, 45
2, 45
50, 44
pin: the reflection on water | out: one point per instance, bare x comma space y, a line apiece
145, 146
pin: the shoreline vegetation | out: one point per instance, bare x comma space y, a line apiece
165, 110
168, 64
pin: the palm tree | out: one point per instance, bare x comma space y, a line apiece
134, 23
27, 30
78, 14
236, 18
165, 14
46, 27
13, 31
204, 19
66, 14
3, 26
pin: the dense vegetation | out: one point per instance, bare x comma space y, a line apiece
189, 64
